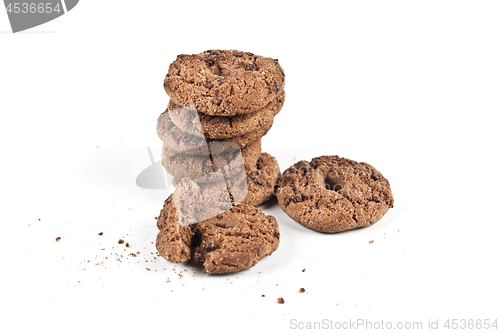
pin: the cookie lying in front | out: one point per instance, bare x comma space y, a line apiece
194, 225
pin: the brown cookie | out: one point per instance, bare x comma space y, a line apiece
260, 181
229, 242
256, 186
250, 156
224, 82
235, 185
188, 120
189, 144
203, 169
332, 194
178, 140
180, 165
236, 240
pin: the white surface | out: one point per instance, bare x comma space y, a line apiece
409, 87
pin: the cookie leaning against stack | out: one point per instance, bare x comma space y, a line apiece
222, 102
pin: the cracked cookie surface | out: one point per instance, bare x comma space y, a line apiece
188, 205
228, 242
236, 240
254, 186
332, 194
188, 120
206, 168
190, 144
224, 82
260, 181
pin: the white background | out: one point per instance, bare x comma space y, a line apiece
409, 87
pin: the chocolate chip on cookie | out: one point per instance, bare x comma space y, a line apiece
332, 194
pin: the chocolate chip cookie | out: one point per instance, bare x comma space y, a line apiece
332, 194
188, 120
236, 240
260, 181
224, 82
208, 168
256, 186
189, 144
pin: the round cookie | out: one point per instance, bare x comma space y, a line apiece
236, 178
250, 156
236, 240
180, 165
332, 194
224, 82
189, 144
188, 120
208, 168
234, 183
256, 186
177, 140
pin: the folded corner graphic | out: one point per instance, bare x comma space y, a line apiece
28, 14
152, 177
210, 175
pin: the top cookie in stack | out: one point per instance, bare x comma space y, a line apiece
225, 83
221, 103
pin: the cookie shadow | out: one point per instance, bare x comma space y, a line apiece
271, 203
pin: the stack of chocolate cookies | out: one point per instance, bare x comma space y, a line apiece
221, 104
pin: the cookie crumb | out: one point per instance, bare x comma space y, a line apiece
156, 218
40, 220
302, 290
121, 241
370, 242
127, 245
58, 239
281, 300
263, 295
303, 270
101, 233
